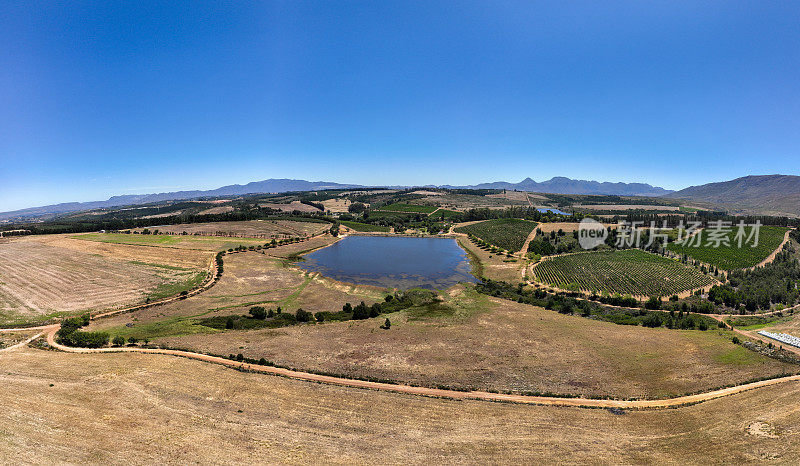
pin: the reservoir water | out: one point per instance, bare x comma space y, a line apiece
393, 262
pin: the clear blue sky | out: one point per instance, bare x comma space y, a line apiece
104, 98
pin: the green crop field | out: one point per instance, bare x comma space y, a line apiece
505, 233
364, 226
629, 272
731, 257
410, 208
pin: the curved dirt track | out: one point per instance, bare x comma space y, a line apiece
435, 392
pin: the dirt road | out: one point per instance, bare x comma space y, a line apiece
435, 392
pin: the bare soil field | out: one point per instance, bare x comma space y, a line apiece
157, 409
39, 279
499, 345
290, 207
250, 228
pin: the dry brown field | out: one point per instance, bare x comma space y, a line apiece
159, 409
249, 228
42, 277
478, 343
336, 205
216, 210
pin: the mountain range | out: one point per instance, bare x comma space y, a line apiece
563, 185
766, 194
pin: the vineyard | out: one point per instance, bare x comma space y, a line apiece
364, 226
732, 257
409, 208
629, 272
505, 233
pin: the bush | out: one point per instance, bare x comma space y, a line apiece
118, 341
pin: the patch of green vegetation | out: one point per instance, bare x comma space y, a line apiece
400, 207
176, 326
738, 356
756, 322
474, 260
731, 256
165, 290
357, 226
162, 266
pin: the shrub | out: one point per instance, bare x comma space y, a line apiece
118, 341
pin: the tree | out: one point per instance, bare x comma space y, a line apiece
356, 208
118, 341
258, 312
303, 316
361, 311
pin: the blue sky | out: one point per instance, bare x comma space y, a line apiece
105, 98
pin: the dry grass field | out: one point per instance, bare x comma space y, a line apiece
251, 228
44, 277
250, 279
198, 243
336, 205
159, 409
492, 344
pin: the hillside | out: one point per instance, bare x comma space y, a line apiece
765, 194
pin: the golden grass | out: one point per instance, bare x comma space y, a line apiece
133, 408
492, 344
